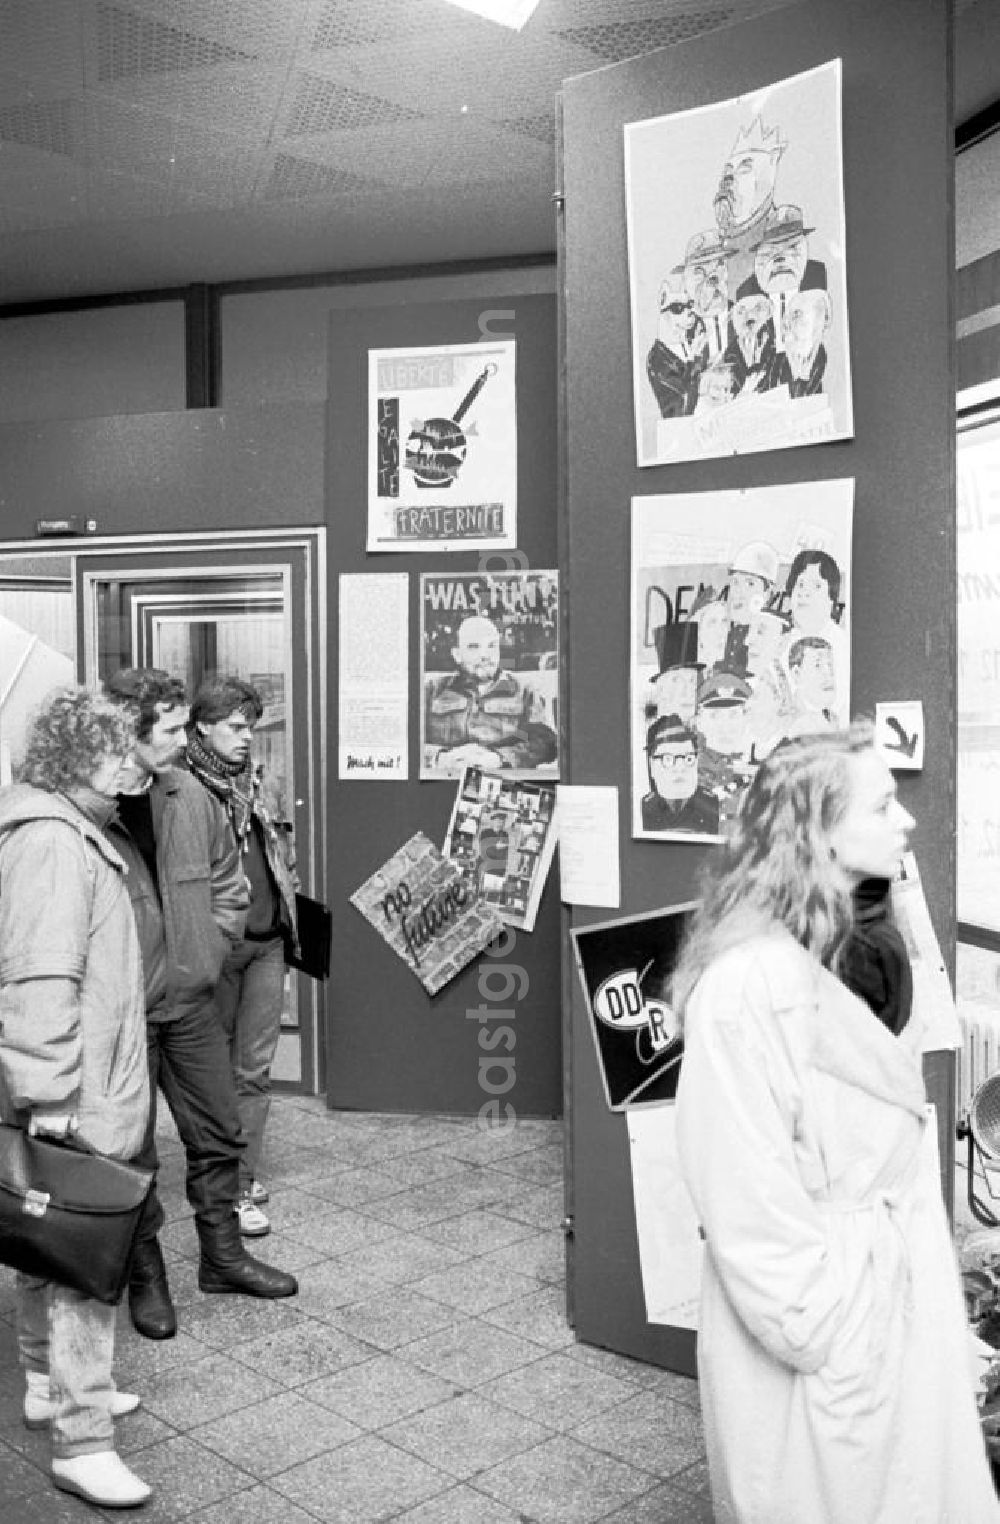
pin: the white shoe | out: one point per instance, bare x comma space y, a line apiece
259, 1193
253, 1223
102, 1478
39, 1407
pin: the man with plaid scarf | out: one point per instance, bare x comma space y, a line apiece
250, 992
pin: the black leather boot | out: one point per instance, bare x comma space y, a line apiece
227, 1267
151, 1310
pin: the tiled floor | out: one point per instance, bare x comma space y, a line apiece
425, 1371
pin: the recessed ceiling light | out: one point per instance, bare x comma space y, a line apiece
512, 13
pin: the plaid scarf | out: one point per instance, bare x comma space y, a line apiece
232, 782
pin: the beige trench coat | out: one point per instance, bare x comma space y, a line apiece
833, 1339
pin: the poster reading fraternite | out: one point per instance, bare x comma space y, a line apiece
740, 638
489, 673
737, 273
442, 447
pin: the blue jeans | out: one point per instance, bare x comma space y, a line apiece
248, 1000
189, 1062
72, 1338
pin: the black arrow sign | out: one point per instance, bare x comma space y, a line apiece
905, 744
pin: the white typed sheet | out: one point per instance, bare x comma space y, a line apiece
373, 735
587, 827
670, 1247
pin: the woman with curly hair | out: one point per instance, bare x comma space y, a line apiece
833, 1342
72, 1050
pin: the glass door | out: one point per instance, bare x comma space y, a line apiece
249, 604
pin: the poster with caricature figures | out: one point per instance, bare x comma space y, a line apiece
740, 638
442, 447
737, 275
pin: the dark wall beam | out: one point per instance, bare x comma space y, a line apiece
202, 345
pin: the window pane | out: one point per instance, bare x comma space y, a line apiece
978, 595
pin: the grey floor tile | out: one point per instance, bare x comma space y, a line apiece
541, 1206
257, 1505
18, 1476
402, 1257
470, 1352
489, 1145
466, 1435
478, 1232
650, 1430
429, 1204
557, 1391
273, 1435
301, 1353
338, 1230
476, 1285
540, 1254
200, 1390
537, 1166
422, 1166
460, 1505
379, 1392
540, 1317
139, 1361
334, 1284
394, 1318
361, 1483
353, 1187
694, 1479
221, 1321
666, 1504
184, 1477
635, 1371
564, 1482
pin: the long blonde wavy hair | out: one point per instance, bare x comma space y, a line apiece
777, 869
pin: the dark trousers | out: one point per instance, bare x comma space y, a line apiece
189, 1062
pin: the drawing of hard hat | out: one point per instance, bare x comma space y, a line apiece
758, 559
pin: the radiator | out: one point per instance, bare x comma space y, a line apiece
979, 1055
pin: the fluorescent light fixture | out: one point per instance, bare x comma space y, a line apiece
512, 13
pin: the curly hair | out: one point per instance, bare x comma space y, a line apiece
776, 868
72, 734
145, 690
219, 695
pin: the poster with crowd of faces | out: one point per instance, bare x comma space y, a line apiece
442, 447
741, 604
737, 273
489, 651
502, 834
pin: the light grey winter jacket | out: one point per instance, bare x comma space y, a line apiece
72, 1023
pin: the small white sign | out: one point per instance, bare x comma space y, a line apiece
899, 734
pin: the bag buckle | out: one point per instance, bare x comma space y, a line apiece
35, 1203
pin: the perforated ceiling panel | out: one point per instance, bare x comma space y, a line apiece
359, 23
45, 125
323, 105
190, 140
296, 179
627, 39
130, 44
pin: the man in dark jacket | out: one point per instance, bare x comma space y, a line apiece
189, 897
251, 991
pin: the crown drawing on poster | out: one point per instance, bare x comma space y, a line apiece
758, 139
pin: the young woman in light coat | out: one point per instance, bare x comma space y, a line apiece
833, 1343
